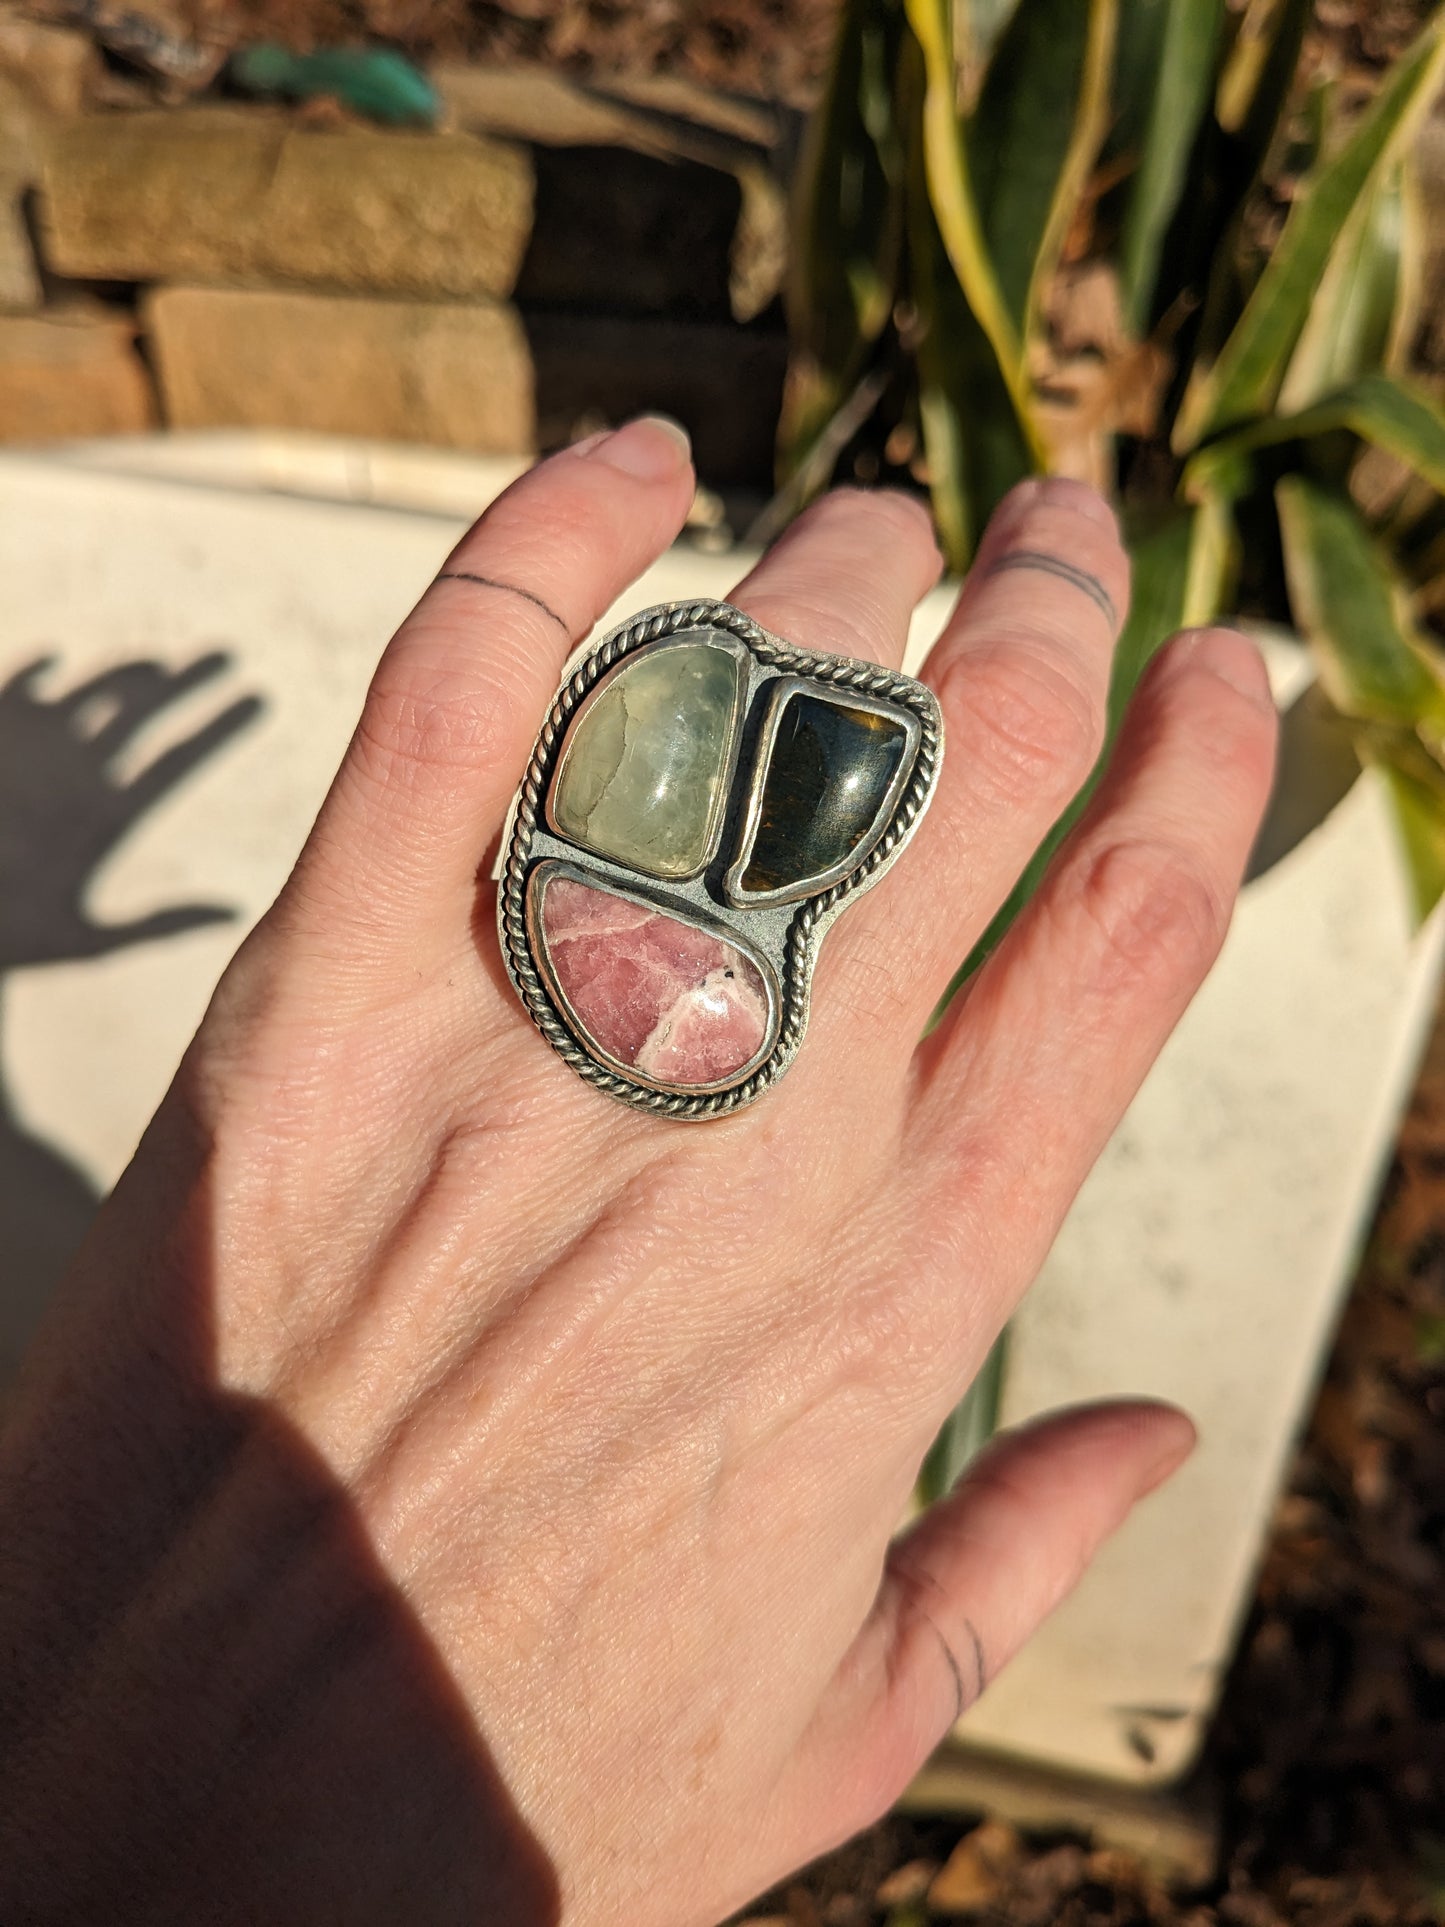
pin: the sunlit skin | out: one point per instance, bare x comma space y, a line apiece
444, 1494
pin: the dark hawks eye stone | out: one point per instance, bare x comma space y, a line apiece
829, 773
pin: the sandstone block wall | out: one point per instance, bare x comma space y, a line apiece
456, 375
247, 197
552, 261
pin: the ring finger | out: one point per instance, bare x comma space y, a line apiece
1021, 672
847, 575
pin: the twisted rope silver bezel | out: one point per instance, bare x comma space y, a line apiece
812, 913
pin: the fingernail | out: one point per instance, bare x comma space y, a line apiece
1019, 500
1175, 1446
1052, 492
653, 448
1060, 492
1232, 656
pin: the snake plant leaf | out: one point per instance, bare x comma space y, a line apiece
1373, 662
1179, 572
1181, 85
978, 24
1354, 318
1258, 78
1167, 571
1245, 380
1203, 267
1138, 50
973, 444
1416, 788
967, 1429
1034, 136
947, 333
847, 228
956, 210
1386, 412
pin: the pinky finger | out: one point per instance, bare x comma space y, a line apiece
964, 1588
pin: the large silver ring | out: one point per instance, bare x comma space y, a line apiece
703, 801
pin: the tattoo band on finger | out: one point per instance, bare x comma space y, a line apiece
1046, 564
508, 588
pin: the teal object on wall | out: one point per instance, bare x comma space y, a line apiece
374, 81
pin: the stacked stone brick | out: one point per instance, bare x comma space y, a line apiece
224, 264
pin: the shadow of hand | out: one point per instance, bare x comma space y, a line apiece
63, 809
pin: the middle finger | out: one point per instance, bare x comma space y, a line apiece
847, 575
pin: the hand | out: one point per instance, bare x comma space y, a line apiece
446, 1495
63, 810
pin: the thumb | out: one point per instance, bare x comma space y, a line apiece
967, 1584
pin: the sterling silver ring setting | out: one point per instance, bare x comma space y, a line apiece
703, 801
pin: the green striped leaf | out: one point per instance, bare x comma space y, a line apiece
1174, 565
1245, 380
1034, 136
1352, 321
967, 1429
1387, 413
972, 440
1258, 78
1180, 87
1416, 788
1373, 663
847, 227
978, 24
955, 207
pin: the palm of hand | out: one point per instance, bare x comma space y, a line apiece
630, 1411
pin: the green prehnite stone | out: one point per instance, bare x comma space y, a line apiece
829, 773
642, 776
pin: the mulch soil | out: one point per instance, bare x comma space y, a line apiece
771, 49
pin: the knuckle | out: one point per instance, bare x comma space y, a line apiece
868, 986
1037, 731
422, 718
1153, 916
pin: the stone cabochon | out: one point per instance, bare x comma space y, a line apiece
642, 777
830, 771
670, 999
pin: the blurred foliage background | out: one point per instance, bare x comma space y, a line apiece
1140, 242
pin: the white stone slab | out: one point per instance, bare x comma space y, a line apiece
1204, 1262
1205, 1259
333, 468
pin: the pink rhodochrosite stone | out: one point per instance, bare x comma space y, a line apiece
675, 1002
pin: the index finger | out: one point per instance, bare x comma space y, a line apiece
454, 704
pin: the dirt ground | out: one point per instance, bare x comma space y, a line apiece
773, 49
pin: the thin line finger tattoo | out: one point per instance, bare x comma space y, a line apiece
1048, 564
510, 588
